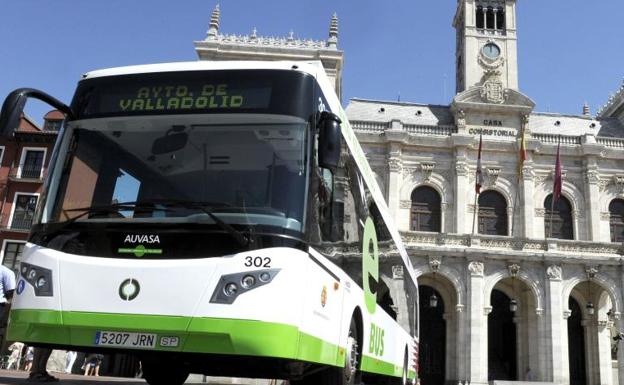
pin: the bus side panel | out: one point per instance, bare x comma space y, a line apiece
322, 296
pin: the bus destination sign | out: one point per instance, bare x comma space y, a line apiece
198, 97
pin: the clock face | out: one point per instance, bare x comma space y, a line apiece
491, 50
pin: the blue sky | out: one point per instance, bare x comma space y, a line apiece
569, 51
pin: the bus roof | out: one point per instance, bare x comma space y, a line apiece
309, 67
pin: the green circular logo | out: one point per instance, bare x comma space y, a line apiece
129, 289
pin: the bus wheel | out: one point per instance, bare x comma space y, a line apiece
163, 372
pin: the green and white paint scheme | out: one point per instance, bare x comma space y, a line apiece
283, 319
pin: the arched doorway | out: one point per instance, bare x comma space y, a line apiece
502, 347
576, 344
591, 316
432, 347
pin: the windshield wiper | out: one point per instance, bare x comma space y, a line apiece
115, 208
205, 208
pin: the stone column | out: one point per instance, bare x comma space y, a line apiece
619, 324
478, 326
557, 328
528, 208
461, 192
592, 199
604, 352
462, 352
395, 166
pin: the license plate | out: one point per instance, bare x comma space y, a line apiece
125, 340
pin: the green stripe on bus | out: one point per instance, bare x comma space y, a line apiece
198, 335
375, 365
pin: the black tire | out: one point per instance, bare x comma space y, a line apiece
348, 375
163, 372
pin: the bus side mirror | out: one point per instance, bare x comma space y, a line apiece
14, 104
329, 141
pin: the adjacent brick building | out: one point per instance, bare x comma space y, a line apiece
24, 160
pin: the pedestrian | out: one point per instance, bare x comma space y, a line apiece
38, 372
92, 364
28, 358
16, 355
7, 287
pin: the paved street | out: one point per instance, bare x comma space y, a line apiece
10, 377
14, 377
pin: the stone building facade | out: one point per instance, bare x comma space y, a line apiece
511, 287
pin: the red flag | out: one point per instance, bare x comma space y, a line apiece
557, 181
523, 153
479, 180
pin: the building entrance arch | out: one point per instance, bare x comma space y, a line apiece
576, 344
432, 346
502, 339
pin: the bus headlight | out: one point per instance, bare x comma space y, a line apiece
227, 290
39, 278
230, 289
248, 281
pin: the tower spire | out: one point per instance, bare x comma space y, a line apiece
586, 110
332, 42
213, 29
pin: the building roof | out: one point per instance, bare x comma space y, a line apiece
383, 111
407, 113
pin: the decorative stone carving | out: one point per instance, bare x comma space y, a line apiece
459, 308
405, 204
493, 173
461, 168
434, 264
460, 119
395, 164
567, 314
528, 174
539, 312
591, 271
476, 268
603, 183
427, 169
592, 177
605, 216
493, 91
397, 272
618, 181
514, 269
554, 272
540, 212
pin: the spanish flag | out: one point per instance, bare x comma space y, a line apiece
522, 156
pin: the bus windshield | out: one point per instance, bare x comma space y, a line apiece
243, 168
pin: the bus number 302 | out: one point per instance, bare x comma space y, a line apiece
257, 262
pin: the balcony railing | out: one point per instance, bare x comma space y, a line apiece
21, 223
26, 171
466, 242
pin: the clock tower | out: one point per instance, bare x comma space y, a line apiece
486, 53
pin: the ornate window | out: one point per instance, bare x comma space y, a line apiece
561, 218
616, 220
425, 211
492, 213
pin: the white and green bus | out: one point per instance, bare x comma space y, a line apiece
217, 218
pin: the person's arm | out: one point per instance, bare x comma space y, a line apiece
9, 285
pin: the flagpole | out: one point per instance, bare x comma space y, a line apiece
552, 210
474, 215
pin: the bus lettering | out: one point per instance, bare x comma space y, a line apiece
376, 342
370, 265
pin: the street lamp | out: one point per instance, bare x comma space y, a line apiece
433, 300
